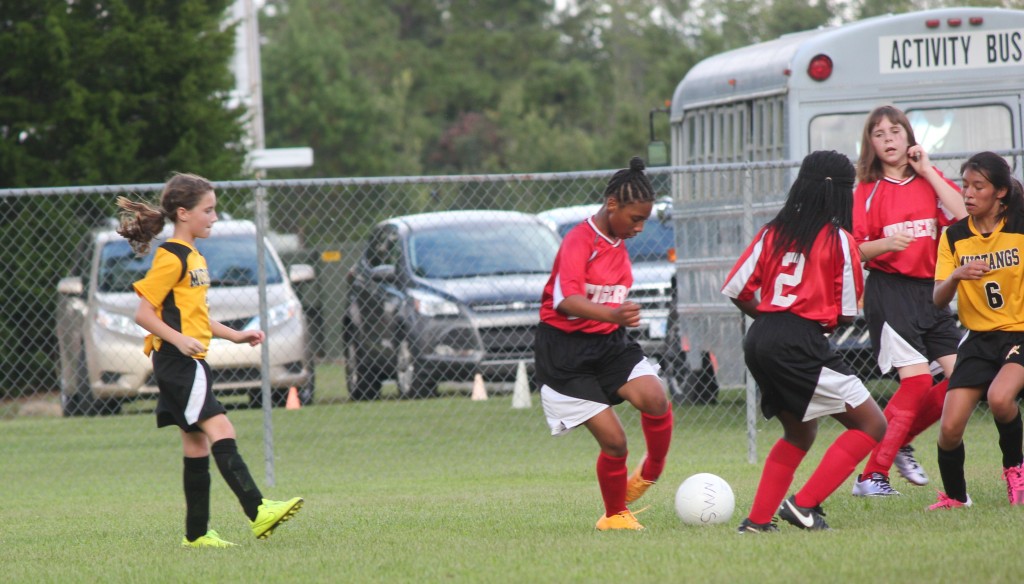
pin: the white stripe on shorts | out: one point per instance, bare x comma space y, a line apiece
565, 413
834, 391
197, 396
893, 351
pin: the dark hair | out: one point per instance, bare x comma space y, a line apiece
141, 222
994, 168
630, 185
821, 194
869, 167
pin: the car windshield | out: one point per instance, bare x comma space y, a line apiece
230, 259
651, 245
483, 249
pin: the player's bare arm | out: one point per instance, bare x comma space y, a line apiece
147, 318
225, 332
950, 197
747, 307
946, 289
627, 314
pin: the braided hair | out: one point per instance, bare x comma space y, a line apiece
822, 194
141, 222
630, 185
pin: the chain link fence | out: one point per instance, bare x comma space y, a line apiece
420, 289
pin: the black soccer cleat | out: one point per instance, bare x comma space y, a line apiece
812, 518
749, 526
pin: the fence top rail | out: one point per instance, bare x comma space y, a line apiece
435, 179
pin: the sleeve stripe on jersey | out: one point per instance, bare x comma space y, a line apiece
849, 307
735, 285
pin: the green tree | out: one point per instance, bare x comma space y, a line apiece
115, 92
102, 92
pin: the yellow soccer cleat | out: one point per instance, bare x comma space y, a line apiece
621, 520
273, 513
637, 485
211, 539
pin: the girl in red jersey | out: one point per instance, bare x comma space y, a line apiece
901, 205
804, 264
586, 363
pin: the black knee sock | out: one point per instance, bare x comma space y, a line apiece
1011, 438
196, 478
234, 471
951, 467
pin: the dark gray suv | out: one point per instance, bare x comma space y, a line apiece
443, 296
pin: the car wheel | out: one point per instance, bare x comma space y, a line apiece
688, 386
412, 382
75, 395
308, 389
363, 381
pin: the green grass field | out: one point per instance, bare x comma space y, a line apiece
396, 492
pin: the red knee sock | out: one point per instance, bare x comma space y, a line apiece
835, 467
930, 410
658, 434
901, 412
776, 477
611, 477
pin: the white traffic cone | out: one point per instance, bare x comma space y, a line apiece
521, 391
479, 391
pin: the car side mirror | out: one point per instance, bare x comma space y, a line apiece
71, 286
383, 273
301, 273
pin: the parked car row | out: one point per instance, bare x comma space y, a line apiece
434, 297
100, 345
442, 296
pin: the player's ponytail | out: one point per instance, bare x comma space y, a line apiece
140, 223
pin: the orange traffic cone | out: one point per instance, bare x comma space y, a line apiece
293, 402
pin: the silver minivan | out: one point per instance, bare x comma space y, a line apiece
102, 363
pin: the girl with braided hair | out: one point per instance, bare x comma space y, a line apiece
804, 264
586, 363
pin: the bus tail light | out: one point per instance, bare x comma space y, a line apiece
820, 68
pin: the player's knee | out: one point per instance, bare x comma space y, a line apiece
1002, 407
950, 435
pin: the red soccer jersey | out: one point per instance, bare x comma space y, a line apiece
820, 286
591, 265
887, 206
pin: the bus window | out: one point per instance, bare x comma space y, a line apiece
939, 130
962, 129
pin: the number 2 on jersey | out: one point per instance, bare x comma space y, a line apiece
788, 279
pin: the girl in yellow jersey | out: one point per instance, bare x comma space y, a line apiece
173, 309
980, 261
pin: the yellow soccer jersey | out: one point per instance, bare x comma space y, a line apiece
176, 286
996, 301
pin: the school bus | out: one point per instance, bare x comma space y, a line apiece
958, 73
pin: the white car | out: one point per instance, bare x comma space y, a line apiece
101, 359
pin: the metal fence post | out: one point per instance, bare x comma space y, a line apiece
261, 270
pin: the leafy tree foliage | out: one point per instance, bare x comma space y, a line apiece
98, 92
115, 91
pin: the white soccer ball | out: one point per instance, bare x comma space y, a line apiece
705, 499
